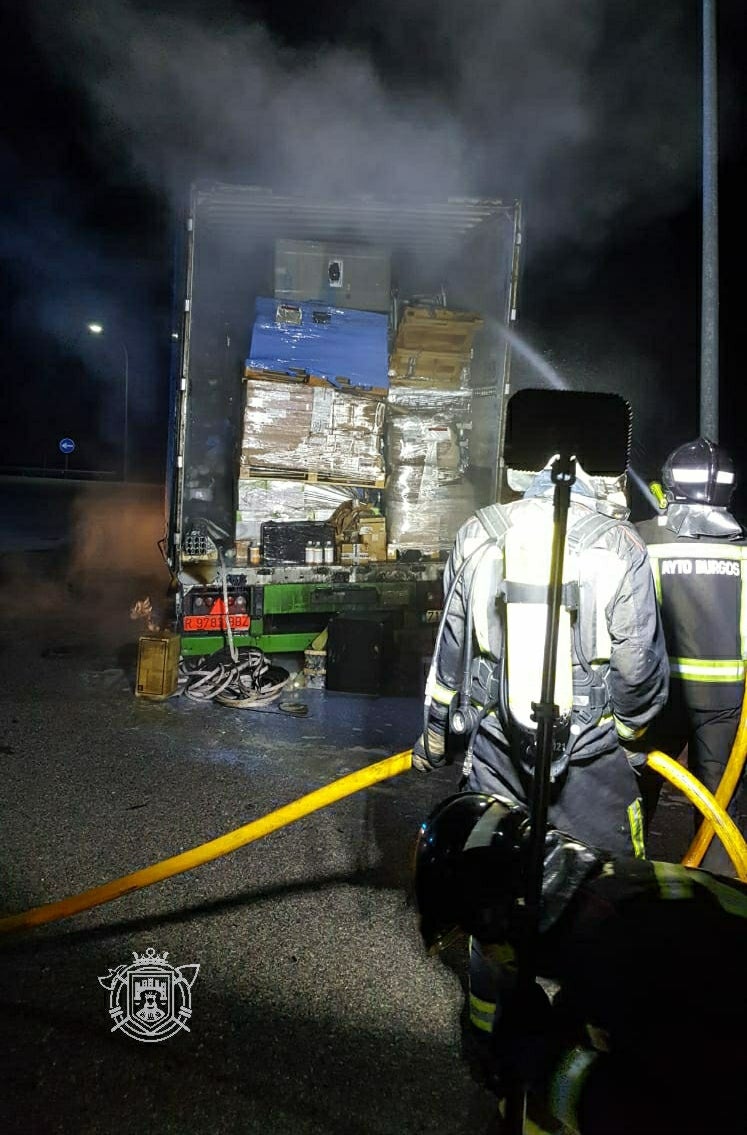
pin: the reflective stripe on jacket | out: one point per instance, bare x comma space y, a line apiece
701, 585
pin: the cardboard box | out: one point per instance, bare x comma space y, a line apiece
438, 329
432, 369
352, 554
372, 532
291, 429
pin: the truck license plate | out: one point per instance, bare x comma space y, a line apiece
215, 622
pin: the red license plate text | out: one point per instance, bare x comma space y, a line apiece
215, 622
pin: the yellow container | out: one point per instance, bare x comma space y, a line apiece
157, 665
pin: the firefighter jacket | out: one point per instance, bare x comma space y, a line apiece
698, 556
619, 664
636, 1013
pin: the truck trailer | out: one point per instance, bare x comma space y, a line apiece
249, 250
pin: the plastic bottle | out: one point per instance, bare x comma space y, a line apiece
309, 554
329, 552
318, 553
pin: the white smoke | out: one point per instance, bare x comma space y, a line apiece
589, 112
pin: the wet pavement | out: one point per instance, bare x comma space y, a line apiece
315, 1009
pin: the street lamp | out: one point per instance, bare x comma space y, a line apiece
98, 329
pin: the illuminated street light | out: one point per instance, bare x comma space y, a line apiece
98, 329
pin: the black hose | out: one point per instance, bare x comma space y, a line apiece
440, 632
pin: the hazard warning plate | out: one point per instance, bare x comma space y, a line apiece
215, 622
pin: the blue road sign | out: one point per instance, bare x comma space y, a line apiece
67, 445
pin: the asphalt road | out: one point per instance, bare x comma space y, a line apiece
315, 1009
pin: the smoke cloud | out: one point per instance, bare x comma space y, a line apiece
589, 112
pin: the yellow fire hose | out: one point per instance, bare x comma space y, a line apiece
321, 798
214, 849
705, 802
724, 792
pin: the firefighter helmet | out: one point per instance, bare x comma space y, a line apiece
700, 472
467, 868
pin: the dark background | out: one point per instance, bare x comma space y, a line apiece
589, 113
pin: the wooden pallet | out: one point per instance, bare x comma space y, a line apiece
341, 384
312, 476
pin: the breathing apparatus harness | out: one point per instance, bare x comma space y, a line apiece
588, 696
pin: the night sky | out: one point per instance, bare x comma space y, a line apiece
588, 112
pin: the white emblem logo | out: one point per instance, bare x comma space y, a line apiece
149, 999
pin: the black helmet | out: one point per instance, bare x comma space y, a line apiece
467, 868
700, 472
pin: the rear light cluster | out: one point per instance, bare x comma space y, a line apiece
205, 606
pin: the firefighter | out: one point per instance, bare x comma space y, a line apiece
647, 1030
698, 554
487, 667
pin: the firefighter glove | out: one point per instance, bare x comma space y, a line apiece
436, 752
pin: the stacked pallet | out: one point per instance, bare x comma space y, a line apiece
314, 406
303, 432
429, 416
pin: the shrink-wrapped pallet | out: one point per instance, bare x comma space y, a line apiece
268, 498
423, 513
312, 432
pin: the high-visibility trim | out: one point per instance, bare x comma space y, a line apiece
488, 571
480, 1022
628, 732
673, 880
480, 1005
481, 1013
567, 1085
607, 570
686, 475
743, 606
679, 550
728, 898
708, 669
499, 954
635, 819
658, 492
442, 694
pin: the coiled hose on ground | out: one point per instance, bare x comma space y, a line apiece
247, 681
241, 679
